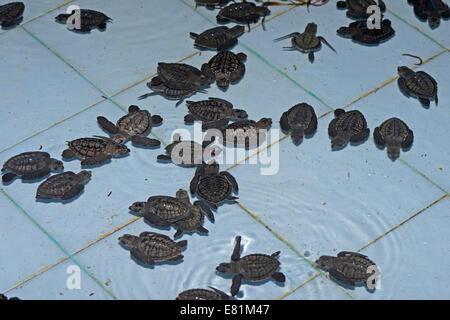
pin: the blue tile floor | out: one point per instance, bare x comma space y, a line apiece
305, 200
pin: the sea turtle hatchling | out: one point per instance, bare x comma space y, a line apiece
165, 211
202, 294
213, 186
300, 120
349, 268
418, 84
307, 41
245, 133
151, 247
347, 126
135, 125
218, 38
213, 112
253, 267
211, 4
431, 10
357, 9
225, 67
88, 19
359, 32
11, 14
94, 151
178, 75
30, 166
63, 186
243, 12
393, 133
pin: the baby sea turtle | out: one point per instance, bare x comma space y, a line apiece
357, 9
213, 112
431, 10
359, 32
135, 125
165, 211
347, 126
245, 133
94, 150
178, 75
254, 267
213, 186
189, 153
11, 14
218, 38
225, 67
202, 294
63, 186
418, 84
350, 268
30, 166
243, 12
307, 41
151, 247
393, 133
301, 120
87, 19
211, 4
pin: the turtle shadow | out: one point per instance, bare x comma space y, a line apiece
60, 200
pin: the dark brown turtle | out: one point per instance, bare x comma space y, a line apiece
218, 38
347, 126
63, 186
213, 112
211, 4
213, 186
189, 153
393, 133
254, 267
84, 20
178, 75
357, 9
349, 268
94, 150
418, 84
245, 133
359, 32
151, 247
225, 67
165, 211
11, 14
307, 41
30, 166
243, 12
3, 297
202, 294
431, 10
300, 120
135, 125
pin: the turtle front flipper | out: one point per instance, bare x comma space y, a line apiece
336, 274
74, 191
141, 256
378, 137
102, 26
425, 102
284, 122
332, 132
178, 233
237, 250
279, 277
322, 39
8, 177
203, 208
236, 284
107, 125
290, 35
98, 159
402, 85
408, 140
36, 175
231, 179
202, 230
145, 142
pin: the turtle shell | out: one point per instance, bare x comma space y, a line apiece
215, 38
209, 110
11, 12
242, 12
202, 294
138, 123
353, 266
227, 67
179, 75
158, 246
167, 208
61, 186
256, 267
27, 162
88, 147
194, 220
214, 188
92, 18
420, 84
352, 122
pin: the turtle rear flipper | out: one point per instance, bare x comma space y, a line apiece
205, 210
284, 122
163, 157
341, 5
107, 125
145, 142
202, 230
231, 179
74, 191
336, 274
189, 118
98, 159
237, 250
178, 233
236, 284
142, 257
36, 175
8, 177
279, 277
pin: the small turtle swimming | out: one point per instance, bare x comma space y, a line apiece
359, 32
357, 9
202, 294
135, 126
30, 166
347, 126
431, 10
243, 12
213, 112
63, 186
307, 41
213, 186
253, 267
218, 38
418, 84
245, 133
175, 211
225, 67
94, 151
151, 247
393, 133
300, 120
84, 20
349, 268
211, 4
11, 14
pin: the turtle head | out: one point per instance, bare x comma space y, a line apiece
297, 134
263, 10
227, 268
56, 165
264, 123
311, 28
404, 71
62, 17
119, 138
222, 81
237, 30
84, 175
393, 151
212, 168
118, 149
239, 114
128, 240
338, 141
137, 207
434, 21
325, 261
182, 195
